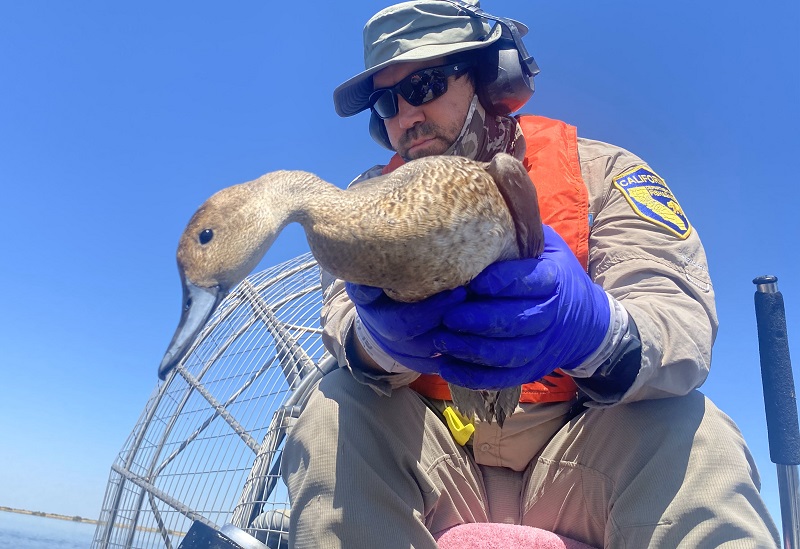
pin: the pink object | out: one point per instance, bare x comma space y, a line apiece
487, 535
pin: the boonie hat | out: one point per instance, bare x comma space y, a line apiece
412, 31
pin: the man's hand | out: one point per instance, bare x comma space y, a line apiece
405, 331
528, 316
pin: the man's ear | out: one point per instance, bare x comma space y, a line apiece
377, 129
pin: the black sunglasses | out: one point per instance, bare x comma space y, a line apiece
417, 88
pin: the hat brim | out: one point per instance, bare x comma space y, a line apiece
352, 96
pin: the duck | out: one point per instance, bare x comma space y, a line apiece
431, 225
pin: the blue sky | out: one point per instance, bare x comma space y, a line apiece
118, 119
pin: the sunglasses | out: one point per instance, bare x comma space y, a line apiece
418, 88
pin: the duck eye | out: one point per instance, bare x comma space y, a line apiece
205, 236
188, 304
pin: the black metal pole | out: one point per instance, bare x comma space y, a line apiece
780, 403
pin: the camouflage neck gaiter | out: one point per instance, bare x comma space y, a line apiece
484, 135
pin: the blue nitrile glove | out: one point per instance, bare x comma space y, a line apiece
527, 317
405, 331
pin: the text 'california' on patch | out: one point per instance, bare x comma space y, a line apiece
652, 200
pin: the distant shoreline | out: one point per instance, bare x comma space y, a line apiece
75, 518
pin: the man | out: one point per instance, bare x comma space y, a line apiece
611, 330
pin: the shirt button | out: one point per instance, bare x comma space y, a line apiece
485, 447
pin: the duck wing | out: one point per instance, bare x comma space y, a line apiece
519, 193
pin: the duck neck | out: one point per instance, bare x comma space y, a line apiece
284, 197
334, 220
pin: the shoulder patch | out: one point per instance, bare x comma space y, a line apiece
652, 200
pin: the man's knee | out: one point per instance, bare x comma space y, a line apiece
342, 404
344, 413
651, 425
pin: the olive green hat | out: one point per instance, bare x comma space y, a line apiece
412, 31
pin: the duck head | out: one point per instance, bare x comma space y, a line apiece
220, 246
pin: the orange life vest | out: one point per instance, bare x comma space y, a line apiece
551, 159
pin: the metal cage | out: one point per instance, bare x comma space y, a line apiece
207, 446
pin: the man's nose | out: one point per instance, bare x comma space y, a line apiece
408, 115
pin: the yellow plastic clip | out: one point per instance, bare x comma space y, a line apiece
460, 427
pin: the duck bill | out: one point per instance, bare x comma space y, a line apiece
198, 306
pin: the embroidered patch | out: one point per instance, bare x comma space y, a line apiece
652, 200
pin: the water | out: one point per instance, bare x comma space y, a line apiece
30, 532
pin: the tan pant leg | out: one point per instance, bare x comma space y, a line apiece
661, 473
370, 471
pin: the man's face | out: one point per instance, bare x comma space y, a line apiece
430, 128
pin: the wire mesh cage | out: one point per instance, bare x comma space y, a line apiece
207, 446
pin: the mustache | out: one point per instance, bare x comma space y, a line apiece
415, 132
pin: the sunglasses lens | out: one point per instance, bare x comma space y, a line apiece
384, 103
420, 87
